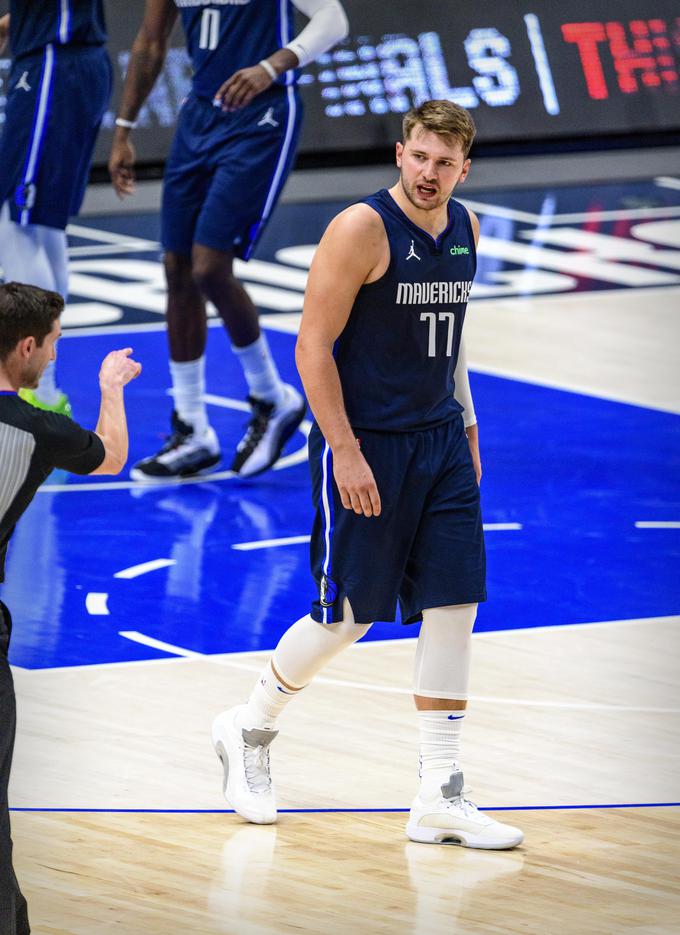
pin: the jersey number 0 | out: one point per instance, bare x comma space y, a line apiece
210, 30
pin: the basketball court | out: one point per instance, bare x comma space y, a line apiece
143, 611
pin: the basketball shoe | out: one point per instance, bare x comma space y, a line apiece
269, 429
244, 754
450, 818
184, 454
60, 405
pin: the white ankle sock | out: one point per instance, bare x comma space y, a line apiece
267, 700
439, 749
188, 387
260, 371
47, 390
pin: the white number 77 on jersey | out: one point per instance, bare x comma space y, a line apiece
431, 317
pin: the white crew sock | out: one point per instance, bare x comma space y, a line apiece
260, 371
267, 700
439, 749
188, 387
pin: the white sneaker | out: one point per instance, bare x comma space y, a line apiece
184, 454
245, 758
268, 431
450, 818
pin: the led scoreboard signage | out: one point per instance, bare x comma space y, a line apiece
526, 70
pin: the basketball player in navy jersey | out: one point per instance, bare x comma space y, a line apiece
395, 470
58, 90
232, 152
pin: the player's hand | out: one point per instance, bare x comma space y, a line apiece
4, 32
241, 88
355, 482
473, 443
117, 369
122, 166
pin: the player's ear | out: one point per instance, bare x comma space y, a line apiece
399, 151
466, 169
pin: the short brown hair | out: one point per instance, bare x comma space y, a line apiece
443, 118
26, 311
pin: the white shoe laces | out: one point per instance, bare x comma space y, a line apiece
461, 804
256, 764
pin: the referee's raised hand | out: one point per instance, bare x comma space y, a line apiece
118, 368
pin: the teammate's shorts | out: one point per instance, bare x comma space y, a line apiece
56, 100
225, 171
426, 548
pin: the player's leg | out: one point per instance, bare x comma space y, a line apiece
13, 911
445, 575
254, 162
440, 813
36, 254
278, 408
192, 448
242, 735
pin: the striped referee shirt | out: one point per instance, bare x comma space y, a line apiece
32, 444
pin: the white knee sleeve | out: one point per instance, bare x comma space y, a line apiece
34, 254
307, 646
442, 666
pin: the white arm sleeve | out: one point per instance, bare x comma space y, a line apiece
462, 388
327, 25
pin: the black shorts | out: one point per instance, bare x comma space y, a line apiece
426, 549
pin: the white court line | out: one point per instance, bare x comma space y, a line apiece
95, 233
160, 644
265, 653
134, 571
667, 181
480, 207
391, 690
298, 540
95, 603
657, 524
269, 543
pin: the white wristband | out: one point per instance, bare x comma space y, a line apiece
269, 68
126, 124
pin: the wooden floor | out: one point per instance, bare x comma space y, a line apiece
571, 716
579, 872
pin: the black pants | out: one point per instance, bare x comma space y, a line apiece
13, 910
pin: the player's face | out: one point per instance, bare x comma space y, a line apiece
39, 357
431, 167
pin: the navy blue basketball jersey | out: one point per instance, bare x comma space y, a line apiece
33, 25
225, 35
397, 354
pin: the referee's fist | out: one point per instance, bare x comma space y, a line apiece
118, 368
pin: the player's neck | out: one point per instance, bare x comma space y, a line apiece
432, 222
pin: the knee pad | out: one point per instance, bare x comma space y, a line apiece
442, 667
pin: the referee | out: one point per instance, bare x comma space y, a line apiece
32, 443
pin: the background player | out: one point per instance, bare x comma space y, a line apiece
395, 479
232, 152
32, 443
59, 88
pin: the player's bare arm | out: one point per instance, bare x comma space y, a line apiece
352, 251
327, 25
146, 60
246, 83
4, 32
117, 369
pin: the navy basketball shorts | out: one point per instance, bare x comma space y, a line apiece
55, 104
225, 171
426, 549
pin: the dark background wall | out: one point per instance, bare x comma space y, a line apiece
542, 72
